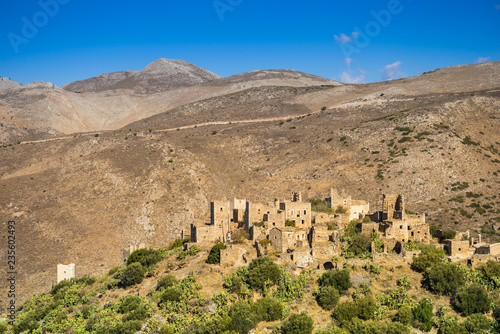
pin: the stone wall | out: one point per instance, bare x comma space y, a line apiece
232, 255
298, 212
358, 209
457, 248
207, 233
324, 218
65, 272
238, 207
220, 213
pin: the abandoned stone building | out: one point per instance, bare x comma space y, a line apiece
464, 248
356, 209
258, 219
285, 238
395, 222
130, 249
295, 237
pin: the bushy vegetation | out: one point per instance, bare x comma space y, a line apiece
266, 292
444, 278
472, 299
146, 257
132, 274
328, 297
320, 205
338, 279
214, 255
262, 271
423, 314
298, 324
428, 257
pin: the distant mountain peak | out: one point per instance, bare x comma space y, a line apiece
8, 84
161, 75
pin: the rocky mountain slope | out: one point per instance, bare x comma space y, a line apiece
99, 83
7, 84
81, 198
111, 101
160, 75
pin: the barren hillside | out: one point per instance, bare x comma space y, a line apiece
84, 197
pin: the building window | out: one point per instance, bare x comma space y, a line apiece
401, 227
221, 210
305, 212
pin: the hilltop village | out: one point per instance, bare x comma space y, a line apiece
296, 234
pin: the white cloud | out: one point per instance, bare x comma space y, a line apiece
350, 77
483, 59
348, 61
391, 71
343, 38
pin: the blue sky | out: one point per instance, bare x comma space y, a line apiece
357, 41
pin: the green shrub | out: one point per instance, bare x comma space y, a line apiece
129, 304
444, 278
372, 327
85, 280
423, 313
450, 325
345, 312
262, 270
397, 328
171, 294
339, 279
472, 299
358, 245
366, 307
166, 329
146, 257
132, 274
214, 255
490, 271
28, 323
477, 323
289, 223
216, 325
320, 205
140, 313
268, 309
430, 256
176, 243
166, 282
433, 230
61, 286
298, 324
404, 315
328, 297
242, 318
448, 234
424, 261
